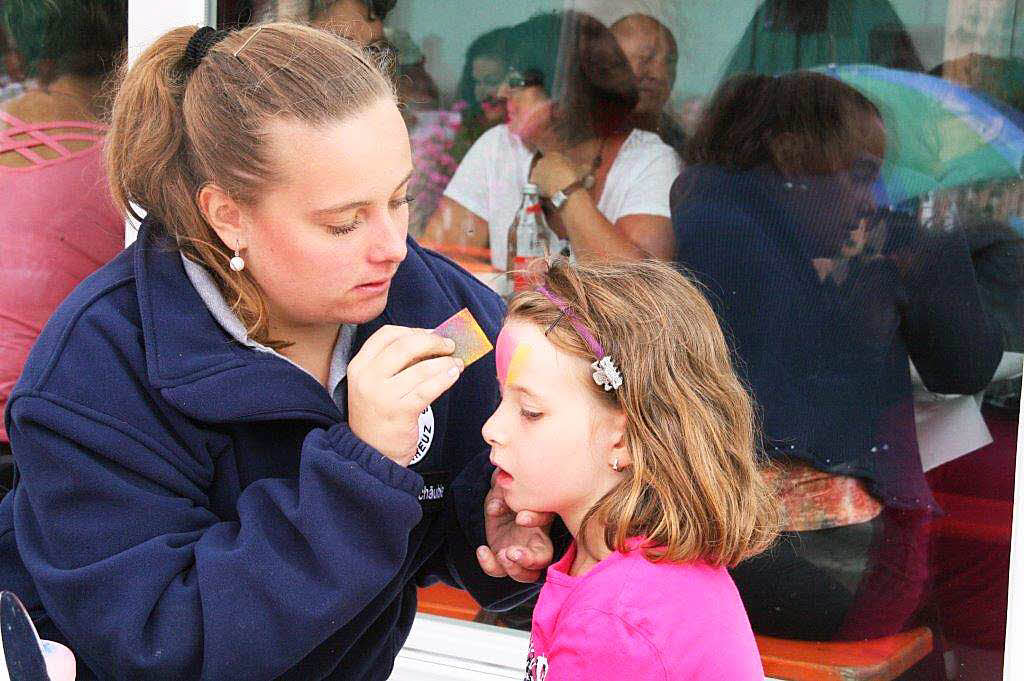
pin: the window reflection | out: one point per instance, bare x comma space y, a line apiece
57, 222
867, 260
570, 98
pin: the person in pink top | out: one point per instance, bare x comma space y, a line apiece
57, 221
621, 414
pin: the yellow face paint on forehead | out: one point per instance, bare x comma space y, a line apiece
510, 354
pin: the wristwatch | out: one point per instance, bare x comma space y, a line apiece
559, 198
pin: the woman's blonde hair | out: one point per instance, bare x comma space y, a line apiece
173, 131
694, 486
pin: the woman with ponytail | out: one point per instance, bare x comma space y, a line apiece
239, 451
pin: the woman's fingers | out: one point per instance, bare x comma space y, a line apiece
431, 388
519, 564
534, 519
378, 341
406, 350
408, 380
489, 562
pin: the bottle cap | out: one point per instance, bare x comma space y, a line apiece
530, 188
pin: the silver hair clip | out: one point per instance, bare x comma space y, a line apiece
606, 374
247, 41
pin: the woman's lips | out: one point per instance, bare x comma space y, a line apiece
503, 478
374, 286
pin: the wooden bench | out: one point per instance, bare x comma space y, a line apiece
880, 659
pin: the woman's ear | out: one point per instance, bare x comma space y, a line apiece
224, 215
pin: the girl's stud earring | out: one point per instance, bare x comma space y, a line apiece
615, 464
236, 263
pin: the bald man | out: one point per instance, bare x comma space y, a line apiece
652, 53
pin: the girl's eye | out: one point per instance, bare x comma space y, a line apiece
338, 230
404, 201
530, 415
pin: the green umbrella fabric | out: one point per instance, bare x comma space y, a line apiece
939, 134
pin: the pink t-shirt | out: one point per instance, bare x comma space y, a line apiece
629, 618
57, 225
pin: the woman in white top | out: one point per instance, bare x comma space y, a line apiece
567, 131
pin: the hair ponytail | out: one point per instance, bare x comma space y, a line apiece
171, 133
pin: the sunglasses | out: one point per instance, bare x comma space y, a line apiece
517, 80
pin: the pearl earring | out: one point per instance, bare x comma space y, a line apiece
236, 263
615, 464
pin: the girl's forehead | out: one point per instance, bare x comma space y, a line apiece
524, 354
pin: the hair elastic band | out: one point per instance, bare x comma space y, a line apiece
606, 374
199, 46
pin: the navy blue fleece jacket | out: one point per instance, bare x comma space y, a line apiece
189, 508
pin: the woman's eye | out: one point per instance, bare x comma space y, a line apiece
530, 415
338, 230
404, 201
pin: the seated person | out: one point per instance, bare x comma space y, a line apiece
482, 75
653, 54
570, 132
57, 220
825, 298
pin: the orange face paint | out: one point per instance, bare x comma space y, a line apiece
510, 354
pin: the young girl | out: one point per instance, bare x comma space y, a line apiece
621, 413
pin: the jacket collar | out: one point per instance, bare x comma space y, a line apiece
200, 369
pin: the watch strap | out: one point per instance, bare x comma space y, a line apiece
562, 195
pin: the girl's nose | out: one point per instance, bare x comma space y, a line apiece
492, 431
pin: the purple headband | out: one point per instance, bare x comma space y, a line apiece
605, 372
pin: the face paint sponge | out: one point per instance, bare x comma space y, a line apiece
471, 342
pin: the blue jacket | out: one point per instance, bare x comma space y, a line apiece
190, 508
827, 362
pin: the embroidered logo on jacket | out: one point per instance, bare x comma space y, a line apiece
426, 423
536, 665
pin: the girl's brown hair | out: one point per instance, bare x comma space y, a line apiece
694, 486
173, 132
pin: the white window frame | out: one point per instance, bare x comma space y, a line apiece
441, 648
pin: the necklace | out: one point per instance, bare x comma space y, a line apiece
590, 179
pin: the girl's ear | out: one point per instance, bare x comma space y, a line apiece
614, 439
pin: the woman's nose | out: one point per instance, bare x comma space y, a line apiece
504, 90
390, 243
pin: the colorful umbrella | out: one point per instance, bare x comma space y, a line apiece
939, 134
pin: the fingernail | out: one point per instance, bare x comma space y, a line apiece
515, 554
454, 371
481, 552
449, 343
459, 363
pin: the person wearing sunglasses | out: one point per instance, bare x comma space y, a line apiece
569, 96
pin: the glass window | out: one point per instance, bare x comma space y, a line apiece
842, 176
57, 221
849, 191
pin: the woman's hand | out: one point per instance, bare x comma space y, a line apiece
553, 172
393, 377
519, 545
